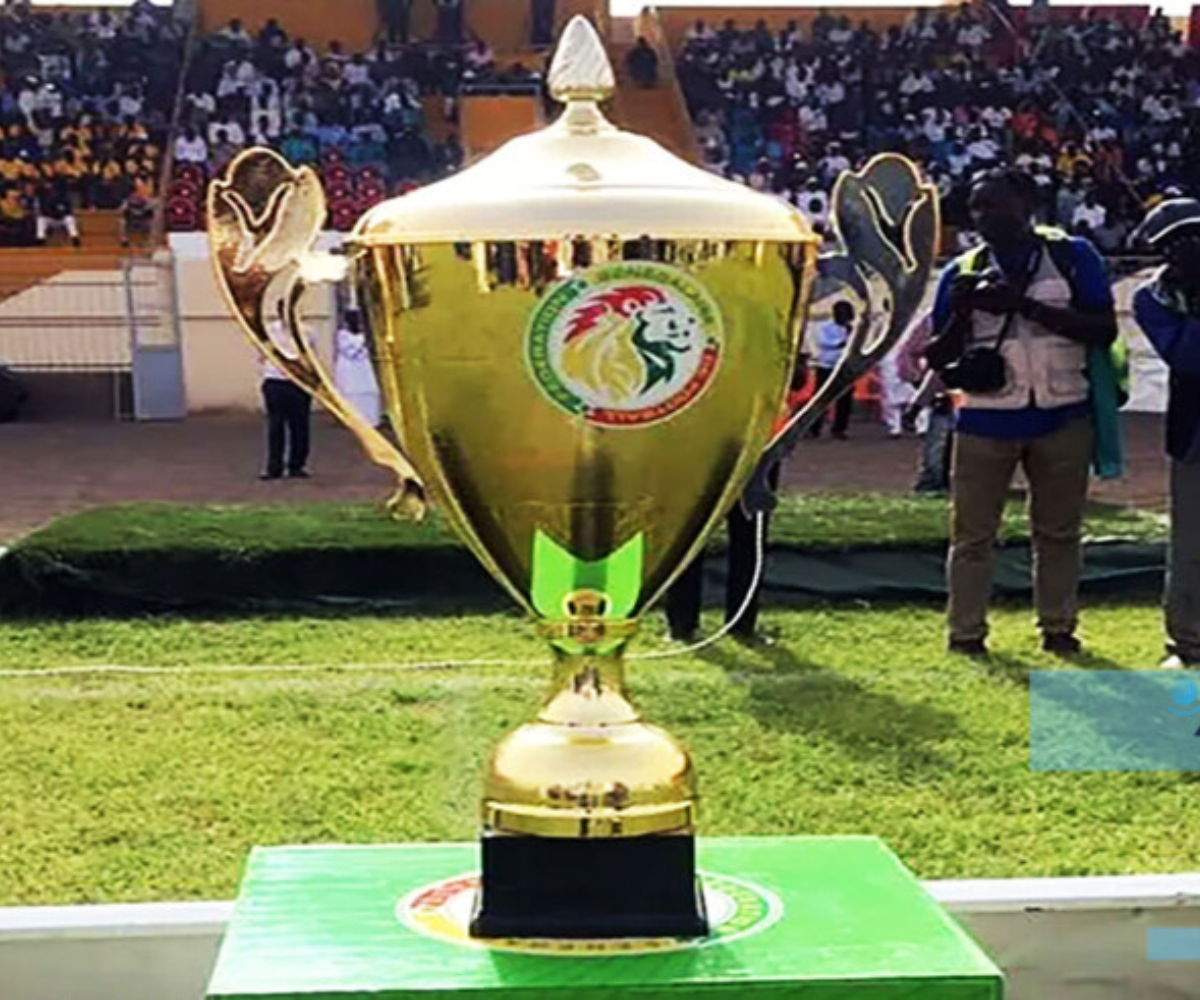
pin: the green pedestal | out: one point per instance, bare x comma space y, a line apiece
809, 917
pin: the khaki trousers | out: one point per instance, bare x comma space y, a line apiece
1056, 467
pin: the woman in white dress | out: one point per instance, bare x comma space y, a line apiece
352, 371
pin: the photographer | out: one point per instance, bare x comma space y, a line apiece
1014, 321
1168, 310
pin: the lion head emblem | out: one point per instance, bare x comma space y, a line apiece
625, 344
621, 343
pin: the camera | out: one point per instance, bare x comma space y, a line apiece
979, 370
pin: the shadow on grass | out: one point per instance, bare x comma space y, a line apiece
1016, 670
795, 695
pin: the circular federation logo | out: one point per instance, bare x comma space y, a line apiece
625, 344
736, 909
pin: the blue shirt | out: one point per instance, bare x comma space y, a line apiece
1090, 292
1175, 334
831, 342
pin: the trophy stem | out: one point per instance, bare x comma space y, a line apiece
588, 811
589, 689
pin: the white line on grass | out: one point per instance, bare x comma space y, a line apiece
236, 668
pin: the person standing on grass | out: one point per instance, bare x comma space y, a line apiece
742, 588
930, 412
1167, 308
353, 373
895, 394
832, 337
1023, 328
289, 412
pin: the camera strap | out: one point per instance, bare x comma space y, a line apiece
1031, 269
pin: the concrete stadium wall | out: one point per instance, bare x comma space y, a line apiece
78, 319
1082, 938
73, 320
220, 367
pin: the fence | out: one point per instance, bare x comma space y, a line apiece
74, 337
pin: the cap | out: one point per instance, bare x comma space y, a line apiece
1166, 220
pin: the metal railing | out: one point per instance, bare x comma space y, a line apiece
158, 226
649, 23
81, 321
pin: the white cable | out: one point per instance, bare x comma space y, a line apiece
724, 630
294, 668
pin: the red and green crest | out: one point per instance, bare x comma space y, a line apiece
625, 344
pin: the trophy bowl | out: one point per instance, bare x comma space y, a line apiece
584, 345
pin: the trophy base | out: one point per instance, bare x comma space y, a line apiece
566, 887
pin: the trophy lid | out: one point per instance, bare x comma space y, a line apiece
581, 177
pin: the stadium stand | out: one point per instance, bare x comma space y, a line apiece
1099, 105
85, 111
373, 123
1100, 110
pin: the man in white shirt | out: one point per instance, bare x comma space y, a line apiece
289, 411
227, 129
353, 372
834, 163
234, 32
191, 148
814, 203
983, 151
1090, 214
832, 337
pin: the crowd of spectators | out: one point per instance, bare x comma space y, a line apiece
358, 117
1104, 115
85, 110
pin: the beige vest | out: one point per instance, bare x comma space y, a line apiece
1043, 368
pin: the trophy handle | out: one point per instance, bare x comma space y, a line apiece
263, 217
887, 223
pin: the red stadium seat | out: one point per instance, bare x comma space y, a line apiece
343, 213
182, 214
192, 173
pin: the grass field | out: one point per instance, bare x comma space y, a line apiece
813, 521
121, 785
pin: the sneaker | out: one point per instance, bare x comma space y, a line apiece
298, 474
270, 475
974, 648
1177, 662
753, 640
1061, 644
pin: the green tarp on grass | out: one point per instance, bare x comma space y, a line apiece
159, 558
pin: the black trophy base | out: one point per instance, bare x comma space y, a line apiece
618, 887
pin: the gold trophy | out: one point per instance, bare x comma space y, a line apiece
583, 344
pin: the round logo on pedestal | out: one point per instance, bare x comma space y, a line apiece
736, 908
625, 344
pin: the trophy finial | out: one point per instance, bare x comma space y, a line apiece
581, 70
